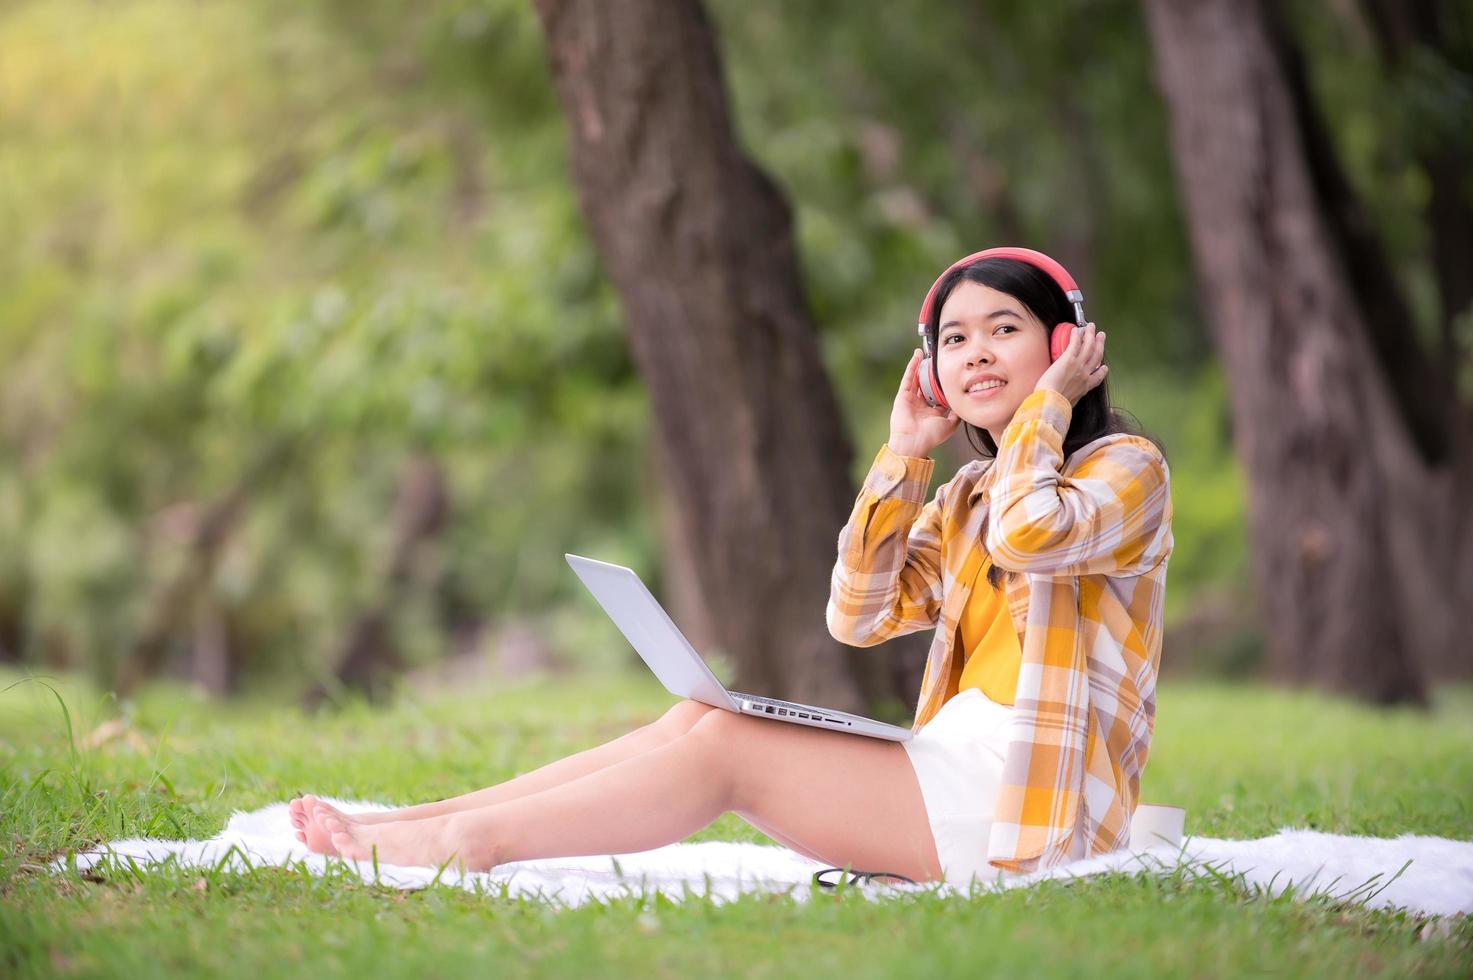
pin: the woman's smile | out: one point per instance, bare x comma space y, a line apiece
989, 336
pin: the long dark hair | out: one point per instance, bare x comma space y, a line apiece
1093, 415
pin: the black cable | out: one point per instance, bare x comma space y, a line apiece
859, 877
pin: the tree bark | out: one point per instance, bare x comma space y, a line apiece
698, 243
681, 593
1411, 37
13, 607
1419, 384
1430, 562
370, 655
1335, 480
173, 613
1411, 33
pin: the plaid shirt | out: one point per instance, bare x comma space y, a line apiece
1091, 537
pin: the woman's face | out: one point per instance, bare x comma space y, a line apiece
988, 335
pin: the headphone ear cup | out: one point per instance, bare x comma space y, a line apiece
931, 393
1059, 342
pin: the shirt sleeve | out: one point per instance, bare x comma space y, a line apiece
1110, 516
887, 581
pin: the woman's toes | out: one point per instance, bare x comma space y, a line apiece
321, 810
318, 810
318, 837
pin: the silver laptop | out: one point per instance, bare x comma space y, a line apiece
643, 621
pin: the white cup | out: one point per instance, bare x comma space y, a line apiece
1156, 826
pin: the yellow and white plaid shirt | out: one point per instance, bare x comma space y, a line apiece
1091, 537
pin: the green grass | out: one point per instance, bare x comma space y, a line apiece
1244, 760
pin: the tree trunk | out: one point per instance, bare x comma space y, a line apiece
1430, 562
1419, 40
681, 594
698, 243
13, 608
174, 612
214, 667
1353, 536
369, 655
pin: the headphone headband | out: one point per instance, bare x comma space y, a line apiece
1054, 270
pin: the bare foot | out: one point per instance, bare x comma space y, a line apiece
315, 806
414, 843
308, 813
308, 816
312, 832
297, 810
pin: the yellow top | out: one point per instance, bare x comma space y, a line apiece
987, 639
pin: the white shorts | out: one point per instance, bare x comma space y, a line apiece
957, 757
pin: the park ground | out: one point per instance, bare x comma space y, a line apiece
77, 767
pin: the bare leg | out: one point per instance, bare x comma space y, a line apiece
843, 799
674, 723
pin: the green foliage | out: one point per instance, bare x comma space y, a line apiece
275, 250
907, 142
1382, 119
1191, 421
272, 256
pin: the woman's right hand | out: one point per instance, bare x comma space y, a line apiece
915, 427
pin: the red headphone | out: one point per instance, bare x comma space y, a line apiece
1058, 338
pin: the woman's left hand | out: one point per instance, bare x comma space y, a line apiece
1080, 367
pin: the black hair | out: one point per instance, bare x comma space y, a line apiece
1093, 415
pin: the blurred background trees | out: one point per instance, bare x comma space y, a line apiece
310, 370
1353, 430
699, 243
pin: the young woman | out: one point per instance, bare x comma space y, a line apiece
1080, 523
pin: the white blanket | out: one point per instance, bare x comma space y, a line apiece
1425, 875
